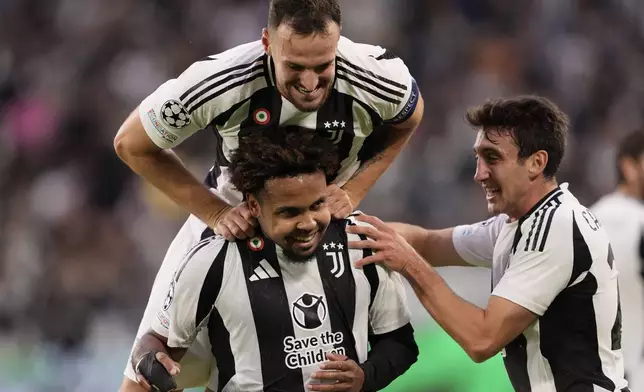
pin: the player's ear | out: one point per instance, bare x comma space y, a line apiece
253, 205
265, 41
537, 163
628, 167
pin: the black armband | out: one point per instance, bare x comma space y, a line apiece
390, 356
155, 373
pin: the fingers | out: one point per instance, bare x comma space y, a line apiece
364, 244
244, 211
333, 375
368, 231
330, 387
375, 222
143, 382
335, 357
171, 366
222, 230
375, 258
235, 226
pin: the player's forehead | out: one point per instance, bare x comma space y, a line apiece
494, 139
308, 50
300, 191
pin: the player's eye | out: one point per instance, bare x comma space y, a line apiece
295, 67
322, 68
288, 212
318, 204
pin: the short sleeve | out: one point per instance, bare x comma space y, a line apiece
536, 276
381, 79
475, 242
389, 310
182, 106
178, 320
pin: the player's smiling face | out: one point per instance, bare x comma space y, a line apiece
304, 64
292, 212
505, 178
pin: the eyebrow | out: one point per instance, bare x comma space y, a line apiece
298, 209
315, 66
485, 150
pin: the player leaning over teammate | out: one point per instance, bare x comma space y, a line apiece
301, 72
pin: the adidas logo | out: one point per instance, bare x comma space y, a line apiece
263, 271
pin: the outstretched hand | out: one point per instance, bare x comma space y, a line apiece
389, 247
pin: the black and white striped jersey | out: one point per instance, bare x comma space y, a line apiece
270, 320
234, 94
557, 262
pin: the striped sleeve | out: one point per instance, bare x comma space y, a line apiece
379, 78
182, 106
190, 298
543, 263
388, 308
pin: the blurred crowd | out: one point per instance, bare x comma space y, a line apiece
81, 237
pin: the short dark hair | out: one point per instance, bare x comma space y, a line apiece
631, 146
304, 16
534, 122
280, 153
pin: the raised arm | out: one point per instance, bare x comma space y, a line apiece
163, 169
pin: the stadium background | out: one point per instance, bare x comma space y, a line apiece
81, 237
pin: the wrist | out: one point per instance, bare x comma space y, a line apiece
218, 214
417, 270
353, 198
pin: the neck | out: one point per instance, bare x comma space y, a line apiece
630, 191
534, 196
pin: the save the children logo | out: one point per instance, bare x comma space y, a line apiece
312, 350
309, 311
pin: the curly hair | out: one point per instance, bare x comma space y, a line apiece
280, 153
534, 122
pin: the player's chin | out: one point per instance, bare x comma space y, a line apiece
495, 208
308, 106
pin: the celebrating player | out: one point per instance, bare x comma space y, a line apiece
301, 72
554, 310
277, 304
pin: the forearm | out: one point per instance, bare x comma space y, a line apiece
370, 170
464, 322
165, 171
390, 356
435, 246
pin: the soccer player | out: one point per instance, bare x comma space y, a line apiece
622, 215
277, 303
301, 72
554, 309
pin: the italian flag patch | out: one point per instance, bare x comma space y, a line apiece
262, 116
256, 244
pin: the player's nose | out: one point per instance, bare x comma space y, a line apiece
307, 223
482, 172
309, 80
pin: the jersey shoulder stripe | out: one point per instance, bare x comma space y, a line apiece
543, 214
369, 76
214, 75
250, 75
247, 68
